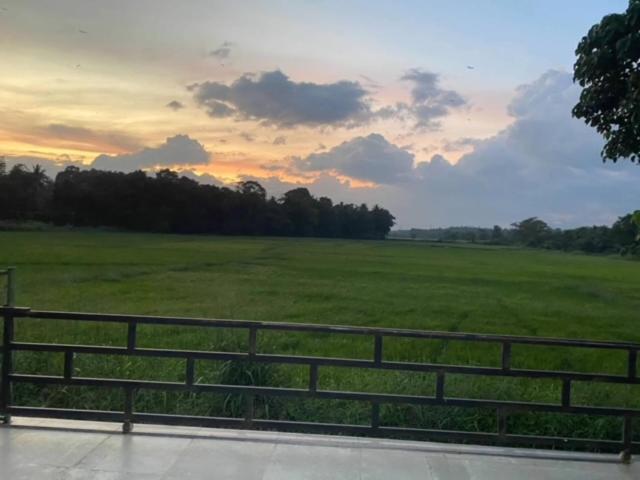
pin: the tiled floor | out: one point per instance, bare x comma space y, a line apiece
63, 450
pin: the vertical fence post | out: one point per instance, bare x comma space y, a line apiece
375, 415
129, 392
313, 378
566, 393
440, 386
11, 287
377, 350
627, 439
506, 356
7, 341
502, 424
127, 424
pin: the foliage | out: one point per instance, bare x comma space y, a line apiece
171, 203
622, 237
24, 194
608, 69
532, 232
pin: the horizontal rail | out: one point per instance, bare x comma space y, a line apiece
316, 328
321, 394
327, 361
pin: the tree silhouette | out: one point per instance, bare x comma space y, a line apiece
169, 202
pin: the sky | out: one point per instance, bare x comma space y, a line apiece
446, 113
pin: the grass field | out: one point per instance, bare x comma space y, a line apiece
386, 283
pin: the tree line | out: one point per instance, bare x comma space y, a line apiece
622, 237
168, 202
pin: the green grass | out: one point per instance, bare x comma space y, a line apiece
386, 284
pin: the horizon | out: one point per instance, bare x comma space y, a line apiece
444, 115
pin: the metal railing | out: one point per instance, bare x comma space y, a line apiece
128, 415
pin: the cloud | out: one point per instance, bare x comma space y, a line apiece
430, 102
177, 150
274, 99
217, 109
175, 105
545, 164
247, 136
204, 178
280, 140
81, 137
222, 52
370, 158
459, 144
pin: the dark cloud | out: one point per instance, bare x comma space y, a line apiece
217, 109
370, 158
430, 102
460, 144
280, 140
88, 138
175, 105
222, 52
272, 98
248, 137
177, 150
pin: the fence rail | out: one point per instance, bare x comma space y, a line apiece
128, 415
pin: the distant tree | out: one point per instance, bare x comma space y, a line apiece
251, 187
25, 193
382, 221
327, 219
608, 69
168, 202
301, 210
625, 233
497, 236
3, 166
167, 175
532, 232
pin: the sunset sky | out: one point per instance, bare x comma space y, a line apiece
445, 112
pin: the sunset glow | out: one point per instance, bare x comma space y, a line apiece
268, 89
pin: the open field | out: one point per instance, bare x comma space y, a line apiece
386, 284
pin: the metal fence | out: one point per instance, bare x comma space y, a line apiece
129, 416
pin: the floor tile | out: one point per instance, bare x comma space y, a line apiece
393, 464
223, 459
298, 462
55, 448
140, 454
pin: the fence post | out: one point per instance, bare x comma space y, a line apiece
7, 356
627, 439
